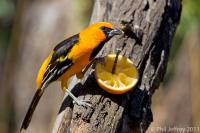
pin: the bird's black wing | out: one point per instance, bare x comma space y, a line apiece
64, 47
56, 67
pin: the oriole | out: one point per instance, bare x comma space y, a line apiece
68, 58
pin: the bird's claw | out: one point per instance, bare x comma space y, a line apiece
80, 75
84, 103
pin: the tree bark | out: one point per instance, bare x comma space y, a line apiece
147, 42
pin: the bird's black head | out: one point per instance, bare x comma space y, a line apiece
109, 32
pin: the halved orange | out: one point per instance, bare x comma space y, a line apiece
122, 80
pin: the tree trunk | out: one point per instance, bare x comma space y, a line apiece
152, 24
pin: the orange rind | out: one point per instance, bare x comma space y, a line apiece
122, 80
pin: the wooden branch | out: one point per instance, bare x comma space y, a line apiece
152, 24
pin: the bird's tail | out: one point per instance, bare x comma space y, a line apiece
31, 109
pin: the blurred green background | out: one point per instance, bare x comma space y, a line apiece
25, 29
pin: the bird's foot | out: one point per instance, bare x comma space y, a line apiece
84, 103
80, 75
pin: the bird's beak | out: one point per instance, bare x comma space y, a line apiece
115, 32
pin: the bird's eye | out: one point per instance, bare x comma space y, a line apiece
106, 30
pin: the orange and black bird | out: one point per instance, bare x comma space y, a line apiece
69, 58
